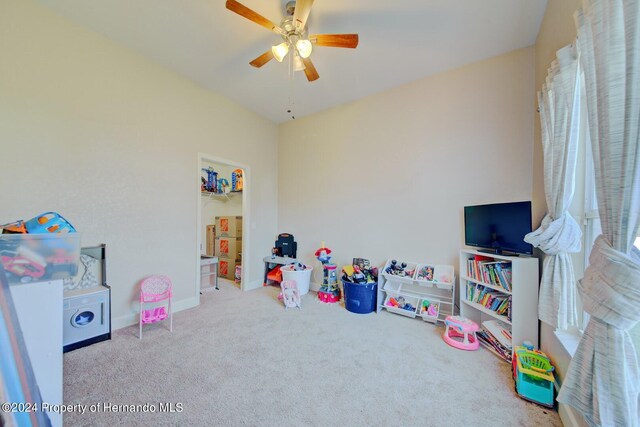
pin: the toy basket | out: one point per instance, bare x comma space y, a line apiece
398, 310
535, 362
425, 314
411, 267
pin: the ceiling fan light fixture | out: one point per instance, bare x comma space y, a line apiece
304, 47
280, 51
298, 65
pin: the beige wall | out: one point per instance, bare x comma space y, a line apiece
388, 175
110, 140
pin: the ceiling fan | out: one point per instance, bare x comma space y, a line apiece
295, 36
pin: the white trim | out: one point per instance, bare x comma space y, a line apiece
569, 340
246, 219
132, 318
253, 285
569, 417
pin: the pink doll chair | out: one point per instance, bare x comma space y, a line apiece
155, 289
290, 294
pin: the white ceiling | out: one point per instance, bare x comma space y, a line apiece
400, 41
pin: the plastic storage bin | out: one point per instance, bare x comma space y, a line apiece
39, 257
302, 277
360, 298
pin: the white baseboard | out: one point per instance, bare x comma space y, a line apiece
253, 285
132, 318
569, 417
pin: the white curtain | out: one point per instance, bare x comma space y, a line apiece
559, 234
603, 379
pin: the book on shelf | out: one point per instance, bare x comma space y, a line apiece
496, 336
495, 273
500, 331
491, 299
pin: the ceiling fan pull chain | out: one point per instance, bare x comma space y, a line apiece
292, 87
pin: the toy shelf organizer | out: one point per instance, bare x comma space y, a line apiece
428, 285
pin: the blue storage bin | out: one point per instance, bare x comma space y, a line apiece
360, 298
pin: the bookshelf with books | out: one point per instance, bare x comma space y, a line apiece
500, 294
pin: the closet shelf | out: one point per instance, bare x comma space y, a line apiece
219, 196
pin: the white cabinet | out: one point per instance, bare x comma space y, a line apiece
437, 289
38, 306
488, 280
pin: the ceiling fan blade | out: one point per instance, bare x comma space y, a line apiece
335, 40
301, 13
310, 70
244, 11
262, 59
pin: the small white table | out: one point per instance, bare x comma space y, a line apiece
271, 261
206, 262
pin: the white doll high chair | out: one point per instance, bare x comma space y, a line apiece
154, 289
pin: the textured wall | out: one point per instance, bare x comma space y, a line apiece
111, 141
388, 175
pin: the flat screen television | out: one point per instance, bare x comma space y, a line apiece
498, 227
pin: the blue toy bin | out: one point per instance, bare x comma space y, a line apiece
360, 298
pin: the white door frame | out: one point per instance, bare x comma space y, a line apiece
246, 217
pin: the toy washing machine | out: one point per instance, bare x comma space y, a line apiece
86, 317
87, 302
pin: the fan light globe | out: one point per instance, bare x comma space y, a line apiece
304, 48
280, 51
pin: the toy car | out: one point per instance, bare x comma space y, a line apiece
22, 267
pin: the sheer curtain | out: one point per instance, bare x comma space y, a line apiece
559, 234
603, 379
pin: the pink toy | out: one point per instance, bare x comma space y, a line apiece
432, 310
155, 289
461, 333
290, 294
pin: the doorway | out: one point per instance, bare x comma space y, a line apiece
218, 195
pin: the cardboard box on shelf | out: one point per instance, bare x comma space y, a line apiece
211, 240
227, 268
228, 247
229, 226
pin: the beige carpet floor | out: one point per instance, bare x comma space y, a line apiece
241, 359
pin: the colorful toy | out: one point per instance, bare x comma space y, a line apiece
329, 291
61, 262
211, 184
400, 270
26, 264
429, 308
533, 375
461, 333
425, 273
298, 266
49, 222
401, 303
290, 294
275, 274
17, 227
393, 302
222, 186
236, 180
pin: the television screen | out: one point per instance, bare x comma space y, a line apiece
499, 227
